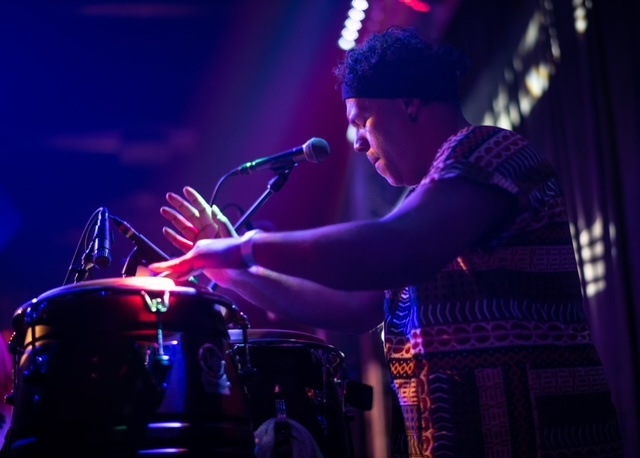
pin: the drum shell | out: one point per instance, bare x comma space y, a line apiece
303, 371
91, 373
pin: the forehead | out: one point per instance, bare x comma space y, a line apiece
358, 108
355, 107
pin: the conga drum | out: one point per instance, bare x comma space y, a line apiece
135, 366
295, 391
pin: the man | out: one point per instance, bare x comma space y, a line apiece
472, 275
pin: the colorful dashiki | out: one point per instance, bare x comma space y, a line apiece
493, 356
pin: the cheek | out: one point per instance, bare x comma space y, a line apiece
383, 145
394, 162
385, 135
378, 138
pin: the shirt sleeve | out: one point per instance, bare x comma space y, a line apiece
499, 157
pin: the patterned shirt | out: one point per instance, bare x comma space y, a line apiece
492, 356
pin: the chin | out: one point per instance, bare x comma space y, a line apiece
392, 181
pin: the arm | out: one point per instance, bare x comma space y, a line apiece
294, 298
435, 224
306, 302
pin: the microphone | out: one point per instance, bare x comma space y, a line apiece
314, 150
102, 240
147, 250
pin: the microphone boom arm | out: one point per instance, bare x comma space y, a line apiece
275, 185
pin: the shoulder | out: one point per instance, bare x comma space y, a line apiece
482, 150
474, 141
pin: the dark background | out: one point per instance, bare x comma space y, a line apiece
113, 104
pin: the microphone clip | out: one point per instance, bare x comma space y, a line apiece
92, 250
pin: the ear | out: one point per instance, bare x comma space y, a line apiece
411, 106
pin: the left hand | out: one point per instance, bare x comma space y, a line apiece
195, 220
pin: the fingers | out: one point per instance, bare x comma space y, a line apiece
192, 216
178, 268
195, 219
216, 216
177, 240
197, 211
196, 215
180, 222
197, 201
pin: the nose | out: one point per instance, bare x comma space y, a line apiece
360, 144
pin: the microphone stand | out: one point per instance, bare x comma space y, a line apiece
82, 260
87, 264
132, 263
275, 185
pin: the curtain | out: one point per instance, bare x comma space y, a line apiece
588, 123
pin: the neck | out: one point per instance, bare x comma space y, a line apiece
441, 121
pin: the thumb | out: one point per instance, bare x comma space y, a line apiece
225, 228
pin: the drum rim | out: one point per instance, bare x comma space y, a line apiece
136, 283
275, 335
257, 337
121, 284
128, 283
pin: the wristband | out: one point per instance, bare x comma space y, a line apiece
246, 247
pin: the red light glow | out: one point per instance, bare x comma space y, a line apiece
417, 5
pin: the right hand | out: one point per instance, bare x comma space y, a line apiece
194, 220
208, 255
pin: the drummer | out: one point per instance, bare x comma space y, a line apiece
472, 276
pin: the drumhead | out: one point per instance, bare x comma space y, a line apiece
124, 283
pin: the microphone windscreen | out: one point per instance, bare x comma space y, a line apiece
316, 150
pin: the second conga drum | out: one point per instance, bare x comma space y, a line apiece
293, 383
126, 367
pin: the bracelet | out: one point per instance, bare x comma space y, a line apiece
246, 247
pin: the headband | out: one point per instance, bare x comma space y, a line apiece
397, 82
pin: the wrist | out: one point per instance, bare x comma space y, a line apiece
246, 247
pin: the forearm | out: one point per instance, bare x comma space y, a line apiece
306, 302
407, 246
346, 256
